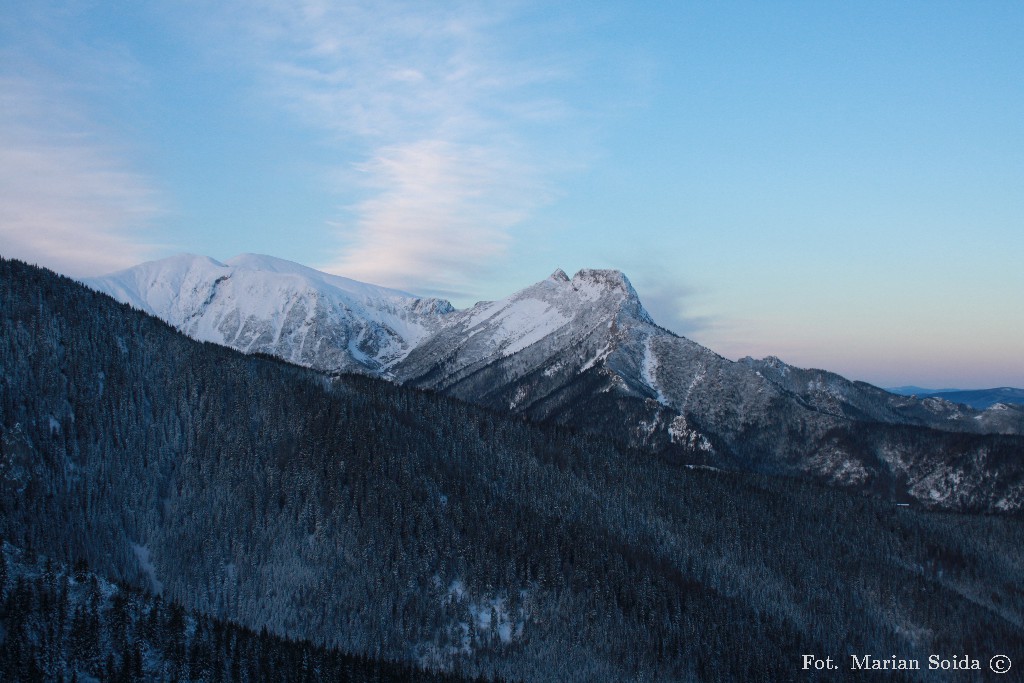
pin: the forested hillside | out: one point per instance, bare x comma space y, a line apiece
61, 624
400, 524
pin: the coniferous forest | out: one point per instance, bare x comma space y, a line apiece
272, 519
66, 623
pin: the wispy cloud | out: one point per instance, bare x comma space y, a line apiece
434, 104
439, 210
68, 200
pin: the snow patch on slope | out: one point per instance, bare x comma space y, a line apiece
146, 564
598, 357
515, 325
649, 370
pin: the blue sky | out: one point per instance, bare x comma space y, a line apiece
837, 184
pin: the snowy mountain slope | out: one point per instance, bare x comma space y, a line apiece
588, 345
263, 304
533, 325
584, 352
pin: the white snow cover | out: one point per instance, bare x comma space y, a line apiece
262, 303
517, 324
649, 366
536, 311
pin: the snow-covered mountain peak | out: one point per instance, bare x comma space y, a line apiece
604, 288
592, 297
608, 276
266, 262
582, 351
594, 282
554, 329
261, 303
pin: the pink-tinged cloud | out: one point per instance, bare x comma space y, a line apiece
66, 199
438, 211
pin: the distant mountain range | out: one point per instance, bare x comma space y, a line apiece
911, 390
584, 352
388, 532
979, 399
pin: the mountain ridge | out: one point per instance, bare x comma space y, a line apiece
584, 352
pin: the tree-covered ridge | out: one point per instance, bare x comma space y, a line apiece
403, 525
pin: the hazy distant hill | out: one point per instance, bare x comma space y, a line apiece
980, 399
911, 390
